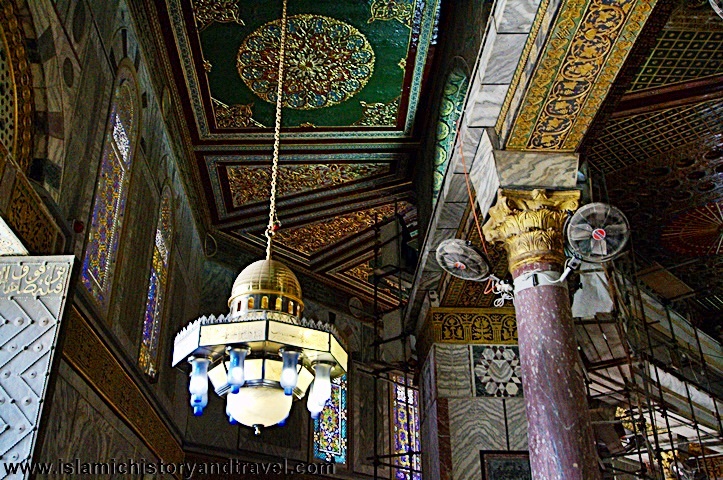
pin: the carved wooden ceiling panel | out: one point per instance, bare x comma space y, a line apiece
662, 154
355, 72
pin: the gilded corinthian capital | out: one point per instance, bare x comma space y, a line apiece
530, 224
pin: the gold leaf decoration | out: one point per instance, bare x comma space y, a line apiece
250, 183
587, 48
379, 114
530, 224
311, 238
207, 12
234, 116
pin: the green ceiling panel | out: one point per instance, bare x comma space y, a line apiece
330, 39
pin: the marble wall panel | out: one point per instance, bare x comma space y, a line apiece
59, 427
474, 424
362, 432
488, 104
430, 444
81, 425
515, 16
503, 61
520, 169
516, 423
485, 181
212, 428
453, 370
428, 387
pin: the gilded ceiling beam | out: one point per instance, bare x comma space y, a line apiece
584, 52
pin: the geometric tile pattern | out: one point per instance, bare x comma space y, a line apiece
497, 371
33, 293
679, 56
629, 140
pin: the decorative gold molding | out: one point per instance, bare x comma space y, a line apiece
470, 326
207, 12
14, 39
530, 224
234, 116
585, 51
311, 238
87, 354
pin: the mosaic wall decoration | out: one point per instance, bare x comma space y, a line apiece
586, 49
405, 425
497, 371
681, 55
250, 183
330, 429
316, 236
505, 465
152, 320
626, 141
111, 191
450, 109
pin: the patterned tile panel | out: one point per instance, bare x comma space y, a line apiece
497, 371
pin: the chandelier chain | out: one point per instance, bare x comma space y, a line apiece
273, 220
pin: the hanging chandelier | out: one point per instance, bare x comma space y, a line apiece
263, 354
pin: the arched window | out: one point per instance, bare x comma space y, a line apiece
330, 428
148, 357
405, 429
111, 189
449, 112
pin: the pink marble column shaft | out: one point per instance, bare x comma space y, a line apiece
560, 436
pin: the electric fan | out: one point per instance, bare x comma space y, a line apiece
461, 259
597, 232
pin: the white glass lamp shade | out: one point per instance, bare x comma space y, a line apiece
322, 383
198, 384
312, 404
290, 372
236, 368
264, 406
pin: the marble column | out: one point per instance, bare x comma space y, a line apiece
561, 441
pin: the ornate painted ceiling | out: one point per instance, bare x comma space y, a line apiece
661, 152
353, 86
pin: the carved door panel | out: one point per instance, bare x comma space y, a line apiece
33, 292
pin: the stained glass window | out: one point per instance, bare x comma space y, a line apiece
449, 112
148, 357
405, 429
330, 427
111, 190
